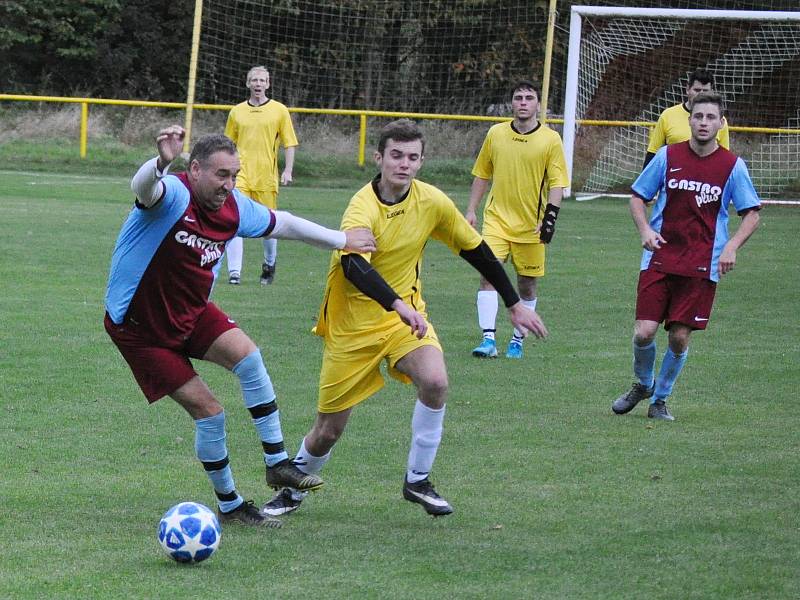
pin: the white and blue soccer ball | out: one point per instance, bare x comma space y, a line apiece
189, 532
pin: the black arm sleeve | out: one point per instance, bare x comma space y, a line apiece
647, 158
367, 280
485, 262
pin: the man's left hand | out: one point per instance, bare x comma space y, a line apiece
548, 225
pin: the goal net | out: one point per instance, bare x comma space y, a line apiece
437, 57
628, 65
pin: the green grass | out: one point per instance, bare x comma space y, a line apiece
555, 497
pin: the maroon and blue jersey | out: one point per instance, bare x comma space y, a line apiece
167, 257
691, 210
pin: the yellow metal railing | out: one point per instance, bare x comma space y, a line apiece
361, 114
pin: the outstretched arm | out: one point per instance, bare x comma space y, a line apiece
291, 227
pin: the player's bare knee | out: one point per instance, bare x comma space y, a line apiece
433, 390
644, 332
679, 339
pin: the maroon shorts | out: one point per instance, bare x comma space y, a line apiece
162, 366
674, 299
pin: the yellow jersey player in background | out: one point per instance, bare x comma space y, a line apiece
257, 127
373, 311
525, 161
672, 126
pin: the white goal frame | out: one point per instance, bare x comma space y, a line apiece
573, 60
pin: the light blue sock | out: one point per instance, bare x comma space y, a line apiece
644, 363
670, 369
270, 251
209, 445
259, 398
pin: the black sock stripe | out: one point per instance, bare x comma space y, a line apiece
215, 465
263, 410
276, 448
226, 496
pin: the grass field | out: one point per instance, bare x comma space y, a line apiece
555, 497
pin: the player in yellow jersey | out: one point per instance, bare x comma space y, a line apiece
373, 311
673, 123
257, 127
524, 159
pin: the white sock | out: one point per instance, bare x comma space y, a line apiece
234, 250
426, 433
487, 312
270, 251
307, 462
530, 304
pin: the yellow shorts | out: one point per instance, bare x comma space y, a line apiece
527, 258
265, 197
350, 376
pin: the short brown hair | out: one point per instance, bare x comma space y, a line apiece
525, 85
210, 144
707, 98
401, 130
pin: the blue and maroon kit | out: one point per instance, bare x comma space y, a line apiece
163, 269
691, 211
677, 282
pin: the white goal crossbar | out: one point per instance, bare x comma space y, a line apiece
573, 61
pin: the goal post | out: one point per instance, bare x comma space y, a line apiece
626, 65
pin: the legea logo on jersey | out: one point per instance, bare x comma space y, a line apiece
708, 193
212, 251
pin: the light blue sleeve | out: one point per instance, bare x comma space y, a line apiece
741, 189
139, 239
255, 220
652, 177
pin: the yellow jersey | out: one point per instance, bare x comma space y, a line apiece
673, 127
347, 317
523, 168
257, 132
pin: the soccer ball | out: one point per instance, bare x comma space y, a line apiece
189, 532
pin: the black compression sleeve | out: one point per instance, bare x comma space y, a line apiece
367, 280
486, 263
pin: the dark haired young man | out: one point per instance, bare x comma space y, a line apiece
525, 162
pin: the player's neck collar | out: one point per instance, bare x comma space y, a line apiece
712, 144
264, 103
517, 131
376, 188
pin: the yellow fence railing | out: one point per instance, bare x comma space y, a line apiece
361, 114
